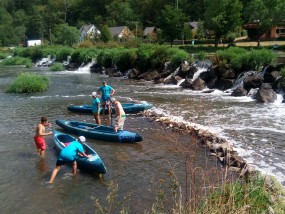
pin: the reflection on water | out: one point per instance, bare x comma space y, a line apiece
42, 165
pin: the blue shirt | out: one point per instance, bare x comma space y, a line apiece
105, 90
95, 105
69, 153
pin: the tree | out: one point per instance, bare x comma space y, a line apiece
171, 22
120, 13
66, 35
265, 13
222, 16
106, 35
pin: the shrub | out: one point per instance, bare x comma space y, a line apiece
34, 53
57, 67
126, 59
107, 57
242, 59
28, 83
177, 56
144, 54
17, 61
87, 54
3, 55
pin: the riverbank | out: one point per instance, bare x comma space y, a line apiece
249, 179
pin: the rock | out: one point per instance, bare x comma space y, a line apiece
133, 73
239, 91
253, 79
266, 94
198, 84
150, 75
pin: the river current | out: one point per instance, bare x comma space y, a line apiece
255, 130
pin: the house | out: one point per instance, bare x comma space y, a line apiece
88, 31
193, 25
151, 32
31, 43
274, 33
121, 32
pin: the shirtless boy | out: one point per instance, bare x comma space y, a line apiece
39, 136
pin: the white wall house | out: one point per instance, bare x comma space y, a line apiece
33, 43
88, 31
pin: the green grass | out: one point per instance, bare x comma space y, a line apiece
17, 61
28, 83
57, 67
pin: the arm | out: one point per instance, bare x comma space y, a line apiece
112, 92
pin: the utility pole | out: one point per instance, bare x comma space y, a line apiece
50, 36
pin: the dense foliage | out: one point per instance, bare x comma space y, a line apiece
28, 83
59, 21
242, 59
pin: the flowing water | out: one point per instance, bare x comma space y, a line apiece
255, 130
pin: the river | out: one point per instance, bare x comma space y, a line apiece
255, 130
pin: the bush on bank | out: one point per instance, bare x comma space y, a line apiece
28, 83
244, 60
17, 61
57, 67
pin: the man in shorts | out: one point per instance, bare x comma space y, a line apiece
120, 115
106, 93
69, 155
39, 136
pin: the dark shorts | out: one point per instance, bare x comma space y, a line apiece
61, 162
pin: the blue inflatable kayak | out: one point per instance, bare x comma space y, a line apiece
91, 164
129, 108
99, 132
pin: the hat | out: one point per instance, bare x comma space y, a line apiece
94, 94
82, 139
113, 100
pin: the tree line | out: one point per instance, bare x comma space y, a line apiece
54, 20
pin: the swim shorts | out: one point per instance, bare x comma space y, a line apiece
40, 142
62, 162
120, 125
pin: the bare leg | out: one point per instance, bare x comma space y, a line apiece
54, 173
74, 168
42, 153
97, 119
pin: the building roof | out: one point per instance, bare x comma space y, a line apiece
86, 28
117, 30
148, 30
194, 25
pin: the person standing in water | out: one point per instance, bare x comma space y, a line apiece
39, 136
106, 93
96, 108
120, 115
69, 155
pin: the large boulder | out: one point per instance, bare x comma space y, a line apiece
239, 91
134, 73
149, 75
187, 83
266, 94
253, 79
198, 84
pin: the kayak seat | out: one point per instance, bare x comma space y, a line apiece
66, 143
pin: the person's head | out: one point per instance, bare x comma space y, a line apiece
82, 139
113, 100
104, 83
94, 94
44, 120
